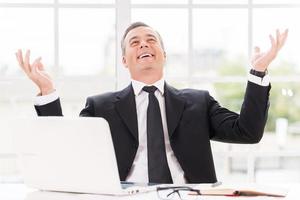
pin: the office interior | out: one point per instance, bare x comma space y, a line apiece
208, 45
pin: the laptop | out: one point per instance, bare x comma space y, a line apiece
69, 154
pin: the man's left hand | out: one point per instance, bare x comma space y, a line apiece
261, 60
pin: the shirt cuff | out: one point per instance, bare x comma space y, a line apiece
265, 81
45, 99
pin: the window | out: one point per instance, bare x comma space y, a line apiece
26, 32
220, 43
87, 30
208, 45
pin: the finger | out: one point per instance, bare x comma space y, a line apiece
273, 42
277, 37
41, 73
283, 38
19, 57
27, 61
274, 48
256, 54
40, 65
34, 66
21, 61
256, 50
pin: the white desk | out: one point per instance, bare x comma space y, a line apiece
21, 192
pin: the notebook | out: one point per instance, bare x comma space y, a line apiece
242, 190
68, 154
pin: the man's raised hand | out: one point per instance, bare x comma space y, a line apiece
261, 60
36, 72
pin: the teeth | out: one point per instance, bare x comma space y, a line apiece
145, 55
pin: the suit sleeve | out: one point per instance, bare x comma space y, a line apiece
88, 110
54, 109
246, 127
50, 109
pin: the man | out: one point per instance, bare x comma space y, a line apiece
161, 134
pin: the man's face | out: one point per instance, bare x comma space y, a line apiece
144, 54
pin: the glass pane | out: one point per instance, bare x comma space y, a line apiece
159, 1
20, 28
27, 1
265, 22
284, 99
88, 1
229, 94
220, 43
87, 41
220, 1
175, 35
275, 1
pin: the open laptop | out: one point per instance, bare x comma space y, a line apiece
71, 155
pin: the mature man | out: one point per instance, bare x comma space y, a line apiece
161, 134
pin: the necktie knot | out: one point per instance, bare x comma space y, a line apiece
150, 89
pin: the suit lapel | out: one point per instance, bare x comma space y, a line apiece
125, 106
174, 108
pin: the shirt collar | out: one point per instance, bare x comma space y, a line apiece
138, 86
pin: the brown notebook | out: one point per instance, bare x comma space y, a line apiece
242, 190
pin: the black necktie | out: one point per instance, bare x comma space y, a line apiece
158, 169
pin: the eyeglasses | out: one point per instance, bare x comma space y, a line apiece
182, 193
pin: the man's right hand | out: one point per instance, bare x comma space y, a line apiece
36, 72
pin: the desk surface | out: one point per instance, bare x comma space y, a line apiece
21, 192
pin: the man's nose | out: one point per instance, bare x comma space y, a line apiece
144, 44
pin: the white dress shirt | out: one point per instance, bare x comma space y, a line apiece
139, 169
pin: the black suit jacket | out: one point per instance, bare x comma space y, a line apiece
193, 119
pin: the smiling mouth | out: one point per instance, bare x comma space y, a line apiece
146, 55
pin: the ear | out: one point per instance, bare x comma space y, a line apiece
165, 57
124, 61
